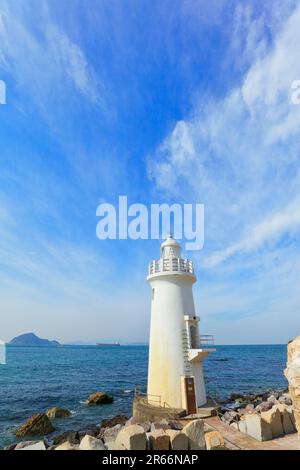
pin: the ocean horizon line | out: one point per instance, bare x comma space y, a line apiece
108, 345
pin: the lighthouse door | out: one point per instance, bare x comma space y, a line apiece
190, 395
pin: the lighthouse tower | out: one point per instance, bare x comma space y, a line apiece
175, 373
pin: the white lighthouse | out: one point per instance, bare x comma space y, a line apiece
175, 374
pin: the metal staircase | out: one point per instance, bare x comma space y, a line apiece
185, 350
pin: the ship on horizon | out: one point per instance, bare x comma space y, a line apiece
108, 344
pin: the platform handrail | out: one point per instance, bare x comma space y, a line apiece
171, 265
148, 398
207, 340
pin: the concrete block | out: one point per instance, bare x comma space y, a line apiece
195, 433
273, 418
178, 439
286, 419
132, 437
257, 428
214, 441
159, 440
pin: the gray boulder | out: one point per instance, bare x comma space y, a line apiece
91, 443
264, 406
110, 434
57, 413
285, 399
99, 398
36, 446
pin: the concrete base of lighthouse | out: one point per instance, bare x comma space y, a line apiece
145, 411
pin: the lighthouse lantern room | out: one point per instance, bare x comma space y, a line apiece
175, 373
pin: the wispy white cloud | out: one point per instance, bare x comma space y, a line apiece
269, 230
44, 60
224, 156
240, 156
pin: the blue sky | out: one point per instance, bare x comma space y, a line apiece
162, 101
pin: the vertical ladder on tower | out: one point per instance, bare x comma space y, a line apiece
185, 350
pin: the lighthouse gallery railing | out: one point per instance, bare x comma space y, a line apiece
171, 264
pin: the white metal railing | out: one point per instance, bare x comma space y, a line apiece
171, 264
207, 341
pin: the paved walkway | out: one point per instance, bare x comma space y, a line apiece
236, 440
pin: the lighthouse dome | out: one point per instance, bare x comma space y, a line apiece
170, 248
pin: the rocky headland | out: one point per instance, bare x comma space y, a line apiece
31, 339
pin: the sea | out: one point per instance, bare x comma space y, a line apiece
37, 378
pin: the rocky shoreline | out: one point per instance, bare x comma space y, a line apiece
264, 417
122, 432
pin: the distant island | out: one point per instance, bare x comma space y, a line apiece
30, 339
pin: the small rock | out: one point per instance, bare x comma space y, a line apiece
145, 425
285, 399
159, 440
110, 434
235, 397
67, 446
91, 431
11, 447
99, 398
38, 425
56, 413
177, 425
23, 444
250, 409
230, 416
272, 399
111, 445
132, 437
36, 446
264, 406
159, 425
91, 443
214, 441
110, 423
195, 433
70, 436
178, 439
240, 400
